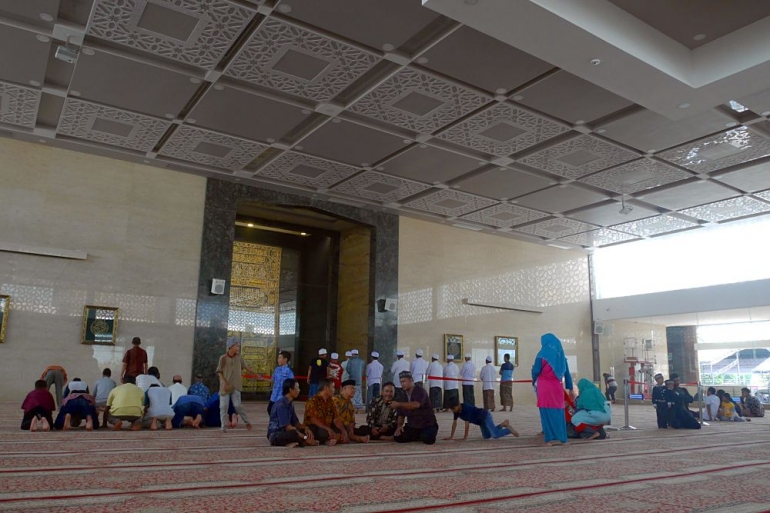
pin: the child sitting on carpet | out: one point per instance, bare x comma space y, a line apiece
480, 417
38, 406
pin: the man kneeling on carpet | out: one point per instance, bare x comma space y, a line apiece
284, 428
77, 406
416, 411
346, 411
158, 400
482, 418
37, 407
322, 418
126, 403
188, 411
381, 418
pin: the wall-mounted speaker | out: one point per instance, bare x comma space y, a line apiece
217, 287
387, 305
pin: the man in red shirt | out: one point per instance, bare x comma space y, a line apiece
134, 361
37, 407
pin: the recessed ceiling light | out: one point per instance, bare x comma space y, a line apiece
388, 47
190, 120
596, 62
518, 97
731, 124
580, 122
336, 120
270, 140
601, 131
380, 168
284, 8
684, 105
74, 93
169, 116
501, 90
408, 141
699, 37
250, 225
42, 38
45, 16
765, 113
423, 146
421, 60
88, 51
34, 83
219, 87
299, 147
652, 150
195, 80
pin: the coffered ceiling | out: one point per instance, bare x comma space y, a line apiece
485, 114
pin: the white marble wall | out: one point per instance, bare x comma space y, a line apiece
141, 227
441, 265
625, 338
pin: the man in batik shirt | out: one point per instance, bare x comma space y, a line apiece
321, 416
346, 411
750, 405
381, 419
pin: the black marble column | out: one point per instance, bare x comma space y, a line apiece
216, 262
682, 358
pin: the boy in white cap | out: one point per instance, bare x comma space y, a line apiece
435, 385
451, 385
318, 370
373, 379
418, 368
399, 366
335, 372
488, 376
468, 373
231, 366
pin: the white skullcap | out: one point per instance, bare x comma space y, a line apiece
399, 353
467, 355
335, 356
78, 386
348, 353
354, 352
450, 357
419, 352
322, 351
375, 354
489, 359
434, 356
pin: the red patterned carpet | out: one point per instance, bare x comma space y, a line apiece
724, 467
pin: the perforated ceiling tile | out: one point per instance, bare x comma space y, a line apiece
299, 62
502, 130
210, 148
636, 176
728, 209
720, 151
556, 228
449, 202
578, 157
596, 238
18, 105
654, 226
195, 32
106, 125
765, 195
418, 102
380, 187
505, 215
306, 170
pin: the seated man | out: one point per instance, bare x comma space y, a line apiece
78, 405
102, 389
284, 428
212, 418
751, 405
321, 416
177, 389
126, 403
189, 411
347, 412
416, 411
381, 418
480, 417
152, 377
679, 416
37, 407
158, 401
711, 404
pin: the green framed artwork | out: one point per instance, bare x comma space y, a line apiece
5, 307
505, 345
100, 325
453, 344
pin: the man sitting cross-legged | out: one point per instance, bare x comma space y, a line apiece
417, 411
188, 411
284, 428
77, 406
347, 412
158, 401
480, 417
321, 416
126, 403
381, 419
37, 407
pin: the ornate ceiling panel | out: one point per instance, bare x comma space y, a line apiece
596, 238
654, 226
450, 203
720, 151
556, 228
505, 215
636, 176
578, 157
733, 208
211, 148
307, 170
380, 187
18, 105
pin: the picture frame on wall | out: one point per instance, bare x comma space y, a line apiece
453, 344
506, 344
5, 307
100, 325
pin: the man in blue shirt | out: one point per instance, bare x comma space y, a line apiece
188, 411
506, 383
284, 427
199, 388
480, 417
281, 373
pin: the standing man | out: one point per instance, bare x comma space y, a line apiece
399, 366
281, 373
451, 385
134, 361
468, 373
344, 365
417, 412
231, 366
335, 372
506, 382
102, 389
435, 385
356, 371
373, 378
57, 376
418, 368
318, 370
611, 387
177, 389
488, 375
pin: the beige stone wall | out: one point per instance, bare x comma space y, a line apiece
441, 265
141, 227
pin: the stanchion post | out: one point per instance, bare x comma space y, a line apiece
626, 396
700, 405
